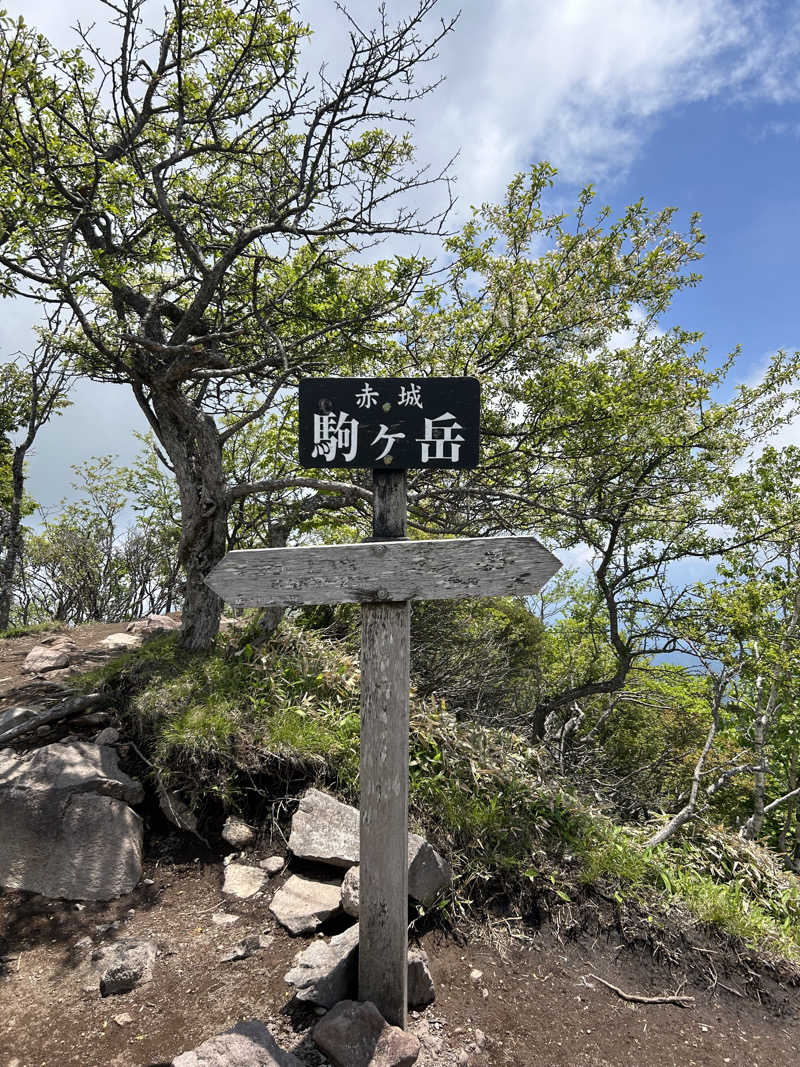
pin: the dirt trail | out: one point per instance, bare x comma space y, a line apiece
46, 688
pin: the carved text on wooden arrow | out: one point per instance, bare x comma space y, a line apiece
384, 570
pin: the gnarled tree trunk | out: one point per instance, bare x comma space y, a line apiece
191, 440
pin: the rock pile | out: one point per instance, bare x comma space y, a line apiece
325, 972
327, 831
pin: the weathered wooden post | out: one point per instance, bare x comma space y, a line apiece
383, 880
338, 428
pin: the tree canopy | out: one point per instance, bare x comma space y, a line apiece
195, 202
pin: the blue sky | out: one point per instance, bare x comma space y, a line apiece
741, 173
693, 103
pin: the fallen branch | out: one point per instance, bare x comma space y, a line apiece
638, 998
65, 710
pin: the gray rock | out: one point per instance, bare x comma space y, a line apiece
326, 830
124, 965
79, 767
67, 830
428, 872
248, 1044
428, 875
109, 736
221, 918
242, 950
356, 1035
421, 990
326, 972
42, 658
153, 624
350, 888
12, 717
243, 881
121, 642
93, 718
238, 833
178, 813
272, 864
302, 905
59, 641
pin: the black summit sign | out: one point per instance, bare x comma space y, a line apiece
390, 423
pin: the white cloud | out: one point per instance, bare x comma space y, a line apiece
583, 82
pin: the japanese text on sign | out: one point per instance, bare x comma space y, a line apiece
389, 422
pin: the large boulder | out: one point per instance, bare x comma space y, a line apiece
248, 1044
355, 1034
326, 830
326, 972
121, 642
302, 904
67, 829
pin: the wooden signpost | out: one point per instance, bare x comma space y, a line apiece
420, 423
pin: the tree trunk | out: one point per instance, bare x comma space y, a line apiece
687, 812
191, 440
752, 828
14, 542
790, 807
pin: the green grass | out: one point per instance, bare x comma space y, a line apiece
201, 715
33, 628
210, 723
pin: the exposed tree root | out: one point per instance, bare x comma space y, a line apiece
639, 998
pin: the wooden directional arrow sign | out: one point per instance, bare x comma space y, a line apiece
384, 571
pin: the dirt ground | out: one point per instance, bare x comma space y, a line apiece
535, 1003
